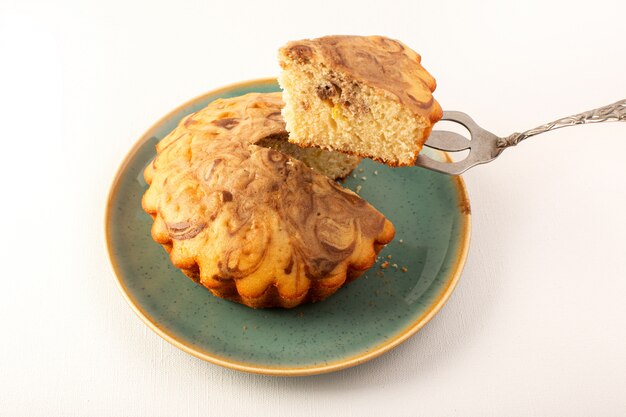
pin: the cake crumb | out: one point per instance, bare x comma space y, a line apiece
360, 169
363, 178
400, 241
358, 189
353, 175
404, 269
395, 266
245, 327
384, 265
375, 172
388, 256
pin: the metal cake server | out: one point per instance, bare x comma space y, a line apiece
484, 146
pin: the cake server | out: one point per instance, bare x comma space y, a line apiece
484, 146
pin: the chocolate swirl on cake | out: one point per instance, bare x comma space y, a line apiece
256, 225
378, 61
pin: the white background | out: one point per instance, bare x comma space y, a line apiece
537, 325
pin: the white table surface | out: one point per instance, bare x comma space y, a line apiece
537, 324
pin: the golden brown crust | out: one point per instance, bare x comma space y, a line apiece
249, 223
385, 64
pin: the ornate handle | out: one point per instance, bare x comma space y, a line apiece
615, 112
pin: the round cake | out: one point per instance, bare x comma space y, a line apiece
251, 223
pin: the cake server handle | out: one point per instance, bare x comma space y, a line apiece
615, 112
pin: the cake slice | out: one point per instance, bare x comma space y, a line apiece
362, 95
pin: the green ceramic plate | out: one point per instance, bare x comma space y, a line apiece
362, 320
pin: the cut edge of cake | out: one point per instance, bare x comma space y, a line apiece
333, 104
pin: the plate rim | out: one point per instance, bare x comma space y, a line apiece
347, 362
